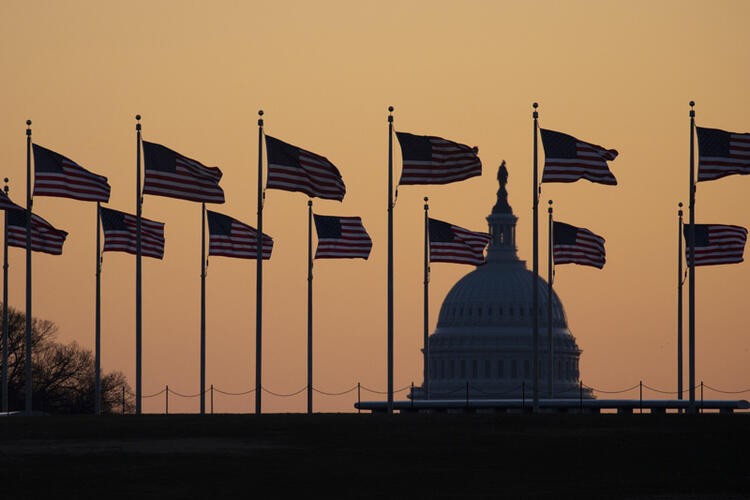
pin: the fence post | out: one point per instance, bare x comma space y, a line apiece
359, 398
640, 396
166, 398
123, 400
580, 395
701, 396
212, 399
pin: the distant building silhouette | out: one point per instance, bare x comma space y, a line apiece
484, 331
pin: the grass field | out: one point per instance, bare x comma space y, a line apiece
376, 456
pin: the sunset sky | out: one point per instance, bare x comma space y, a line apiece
618, 74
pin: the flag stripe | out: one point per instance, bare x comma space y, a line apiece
353, 242
447, 161
454, 244
56, 175
122, 237
567, 159
291, 168
229, 237
170, 174
734, 160
584, 248
44, 237
725, 244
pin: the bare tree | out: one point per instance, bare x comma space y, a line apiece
62, 374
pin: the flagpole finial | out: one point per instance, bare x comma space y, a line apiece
6, 188
536, 113
692, 111
426, 206
28, 127
309, 203
138, 119
390, 115
679, 212
260, 119
549, 210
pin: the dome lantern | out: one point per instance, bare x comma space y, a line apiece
502, 223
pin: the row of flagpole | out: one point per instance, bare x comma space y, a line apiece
602, 156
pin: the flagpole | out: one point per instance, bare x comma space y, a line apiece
98, 317
203, 308
425, 342
259, 272
691, 265
550, 279
390, 259
138, 269
535, 266
28, 405
309, 310
5, 307
679, 303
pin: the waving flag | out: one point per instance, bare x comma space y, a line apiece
170, 174
229, 237
341, 238
722, 153
716, 244
449, 243
567, 159
576, 245
56, 175
120, 234
293, 169
434, 160
6, 204
44, 237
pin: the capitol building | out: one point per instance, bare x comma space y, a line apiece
482, 347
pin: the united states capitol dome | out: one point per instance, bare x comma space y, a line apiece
483, 342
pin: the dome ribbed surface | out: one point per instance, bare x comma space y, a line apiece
498, 294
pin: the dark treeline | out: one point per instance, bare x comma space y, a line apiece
62, 374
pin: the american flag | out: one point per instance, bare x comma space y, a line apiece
722, 153
229, 237
44, 237
120, 234
341, 238
168, 173
434, 160
56, 175
6, 203
567, 159
449, 243
716, 244
577, 245
293, 169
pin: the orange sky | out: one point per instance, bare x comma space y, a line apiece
619, 74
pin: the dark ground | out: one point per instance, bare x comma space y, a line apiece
376, 456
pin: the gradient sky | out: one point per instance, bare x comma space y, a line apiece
619, 74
